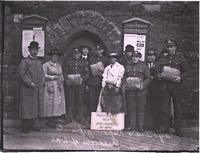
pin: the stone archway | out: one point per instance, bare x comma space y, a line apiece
93, 22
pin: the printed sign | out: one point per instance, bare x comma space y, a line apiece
37, 34
102, 121
138, 41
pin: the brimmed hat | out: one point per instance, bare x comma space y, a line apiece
85, 47
151, 52
113, 54
54, 51
129, 48
170, 42
33, 44
137, 54
99, 48
76, 51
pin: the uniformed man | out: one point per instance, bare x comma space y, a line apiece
32, 81
85, 56
95, 79
170, 87
76, 74
136, 80
126, 57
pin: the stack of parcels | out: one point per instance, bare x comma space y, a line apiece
111, 81
97, 69
134, 83
169, 73
74, 80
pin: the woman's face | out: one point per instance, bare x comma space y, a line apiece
113, 60
54, 58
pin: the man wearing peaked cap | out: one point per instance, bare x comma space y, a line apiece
76, 73
97, 64
170, 86
136, 79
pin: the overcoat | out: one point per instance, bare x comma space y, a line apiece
30, 71
54, 97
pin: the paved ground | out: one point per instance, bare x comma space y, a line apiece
75, 137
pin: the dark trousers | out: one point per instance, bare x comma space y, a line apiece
26, 124
94, 92
135, 110
75, 100
164, 108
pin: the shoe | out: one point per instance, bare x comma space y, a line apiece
162, 130
26, 131
34, 129
128, 129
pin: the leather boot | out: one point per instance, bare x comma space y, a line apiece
69, 117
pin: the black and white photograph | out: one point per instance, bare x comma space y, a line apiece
99, 76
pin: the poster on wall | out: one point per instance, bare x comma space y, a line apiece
37, 34
138, 41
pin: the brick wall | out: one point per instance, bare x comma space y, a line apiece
173, 19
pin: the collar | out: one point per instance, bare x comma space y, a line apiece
31, 57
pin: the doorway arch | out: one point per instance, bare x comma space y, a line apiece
88, 24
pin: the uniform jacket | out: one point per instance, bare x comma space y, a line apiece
125, 60
174, 61
30, 71
77, 66
141, 71
113, 73
54, 98
96, 80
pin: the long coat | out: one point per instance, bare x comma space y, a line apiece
54, 97
30, 71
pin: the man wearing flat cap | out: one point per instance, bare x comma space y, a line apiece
32, 81
172, 70
136, 79
97, 64
76, 73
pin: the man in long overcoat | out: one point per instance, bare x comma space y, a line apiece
31, 88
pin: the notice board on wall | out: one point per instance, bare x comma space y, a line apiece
136, 40
36, 34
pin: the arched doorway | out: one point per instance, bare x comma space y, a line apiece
81, 38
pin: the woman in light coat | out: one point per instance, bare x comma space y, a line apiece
54, 98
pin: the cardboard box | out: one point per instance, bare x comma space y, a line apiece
102, 121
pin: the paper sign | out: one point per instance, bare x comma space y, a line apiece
137, 41
102, 121
30, 35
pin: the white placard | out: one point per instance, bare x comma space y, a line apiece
102, 121
30, 35
138, 41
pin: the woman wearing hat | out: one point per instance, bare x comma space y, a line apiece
111, 98
136, 79
54, 98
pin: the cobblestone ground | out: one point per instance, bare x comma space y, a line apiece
75, 137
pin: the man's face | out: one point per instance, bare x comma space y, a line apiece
54, 58
85, 51
113, 60
151, 58
135, 59
100, 52
172, 49
77, 55
129, 54
33, 52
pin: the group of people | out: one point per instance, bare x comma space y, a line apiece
91, 81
